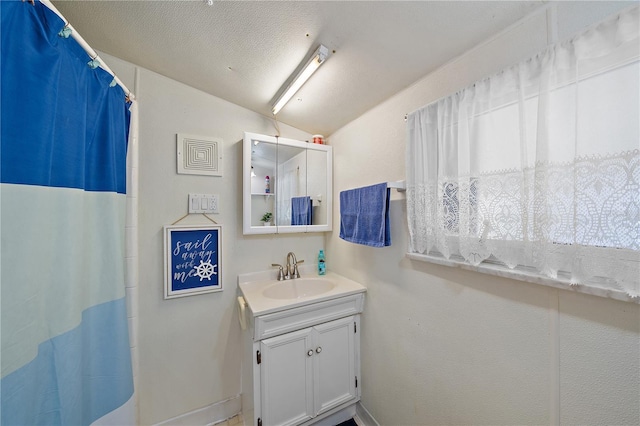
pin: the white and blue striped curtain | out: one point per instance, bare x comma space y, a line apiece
65, 351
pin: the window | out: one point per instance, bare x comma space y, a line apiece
539, 165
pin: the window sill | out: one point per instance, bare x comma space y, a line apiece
528, 275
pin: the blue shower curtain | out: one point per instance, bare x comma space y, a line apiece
65, 351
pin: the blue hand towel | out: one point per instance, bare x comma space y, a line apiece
301, 210
364, 215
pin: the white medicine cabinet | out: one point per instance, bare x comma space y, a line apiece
296, 170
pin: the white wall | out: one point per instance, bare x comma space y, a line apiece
442, 345
189, 348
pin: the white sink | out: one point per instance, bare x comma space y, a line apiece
264, 294
298, 287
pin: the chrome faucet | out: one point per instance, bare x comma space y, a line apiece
292, 269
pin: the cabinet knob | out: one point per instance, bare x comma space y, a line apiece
310, 352
319, 349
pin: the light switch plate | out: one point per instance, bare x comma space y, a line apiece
203, 203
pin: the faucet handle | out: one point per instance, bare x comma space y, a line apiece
295, 268
280, 271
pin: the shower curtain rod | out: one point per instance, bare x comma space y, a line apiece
92, 53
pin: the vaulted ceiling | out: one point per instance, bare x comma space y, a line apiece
244, 51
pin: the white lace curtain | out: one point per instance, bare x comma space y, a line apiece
538, 165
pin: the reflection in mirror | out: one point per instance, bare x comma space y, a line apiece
317, 185
292, 183
263, 177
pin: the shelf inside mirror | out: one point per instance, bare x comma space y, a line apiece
262, 193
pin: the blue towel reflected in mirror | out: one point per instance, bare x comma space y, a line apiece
301, 210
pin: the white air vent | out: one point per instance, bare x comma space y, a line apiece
199, 155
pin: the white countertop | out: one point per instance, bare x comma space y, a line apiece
253, 284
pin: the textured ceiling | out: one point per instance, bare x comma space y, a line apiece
244, 51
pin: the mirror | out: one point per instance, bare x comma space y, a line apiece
289, 179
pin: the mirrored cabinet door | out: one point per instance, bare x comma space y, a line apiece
292, 184
319, 184
287, 182
262, 184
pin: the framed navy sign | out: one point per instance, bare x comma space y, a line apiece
192, 260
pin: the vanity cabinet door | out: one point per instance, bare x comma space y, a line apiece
286, 376
335, 363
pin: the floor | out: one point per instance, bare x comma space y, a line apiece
233, 421
349, 422
238, 420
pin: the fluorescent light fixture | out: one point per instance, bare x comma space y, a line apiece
311, 66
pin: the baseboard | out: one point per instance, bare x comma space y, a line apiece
209, 415
363, 417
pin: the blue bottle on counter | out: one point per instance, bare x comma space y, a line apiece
322, 267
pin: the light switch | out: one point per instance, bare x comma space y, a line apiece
194, 203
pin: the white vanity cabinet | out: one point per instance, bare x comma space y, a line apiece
302, 362
308, 372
